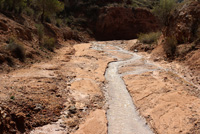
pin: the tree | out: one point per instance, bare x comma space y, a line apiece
163, 10
48, 7
13, 5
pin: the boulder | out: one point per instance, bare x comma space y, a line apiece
11, 123
62, 34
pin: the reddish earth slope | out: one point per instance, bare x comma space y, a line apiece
185, 26
184, 23
124, 23
25, 33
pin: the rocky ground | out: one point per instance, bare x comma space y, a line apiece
67, 88
68, 93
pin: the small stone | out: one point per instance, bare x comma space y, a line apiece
72, 122
72, 110
80, 106
165, 79
38, 107
62, 125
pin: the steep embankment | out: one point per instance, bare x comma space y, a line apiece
184, 23
184, 27
117, 23
21, 38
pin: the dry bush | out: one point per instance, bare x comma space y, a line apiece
49, 43
149, 38
28, 11
170, 46
17, 50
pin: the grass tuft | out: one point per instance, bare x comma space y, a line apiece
149, 38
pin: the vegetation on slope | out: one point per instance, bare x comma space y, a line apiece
81, 15
180, 25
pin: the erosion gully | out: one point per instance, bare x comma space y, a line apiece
123, 118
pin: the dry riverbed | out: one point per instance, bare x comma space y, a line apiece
98, 88
60, 93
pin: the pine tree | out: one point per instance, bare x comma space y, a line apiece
13, 5
48, 7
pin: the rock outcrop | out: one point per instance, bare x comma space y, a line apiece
184, 24
63, 34
8, 28
11, 123
124, 23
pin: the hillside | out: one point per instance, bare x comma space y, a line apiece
184, 29
179, 39
99, 67
29, 33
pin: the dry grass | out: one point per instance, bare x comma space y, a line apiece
170, 46
149, 38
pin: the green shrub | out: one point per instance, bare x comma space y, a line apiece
170, 46
49, 43
69, 20
40, 32
48, 8
149, 38
12, 97
28, 11
45, 41
163, 10
13, 5
59, 23
16, 49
